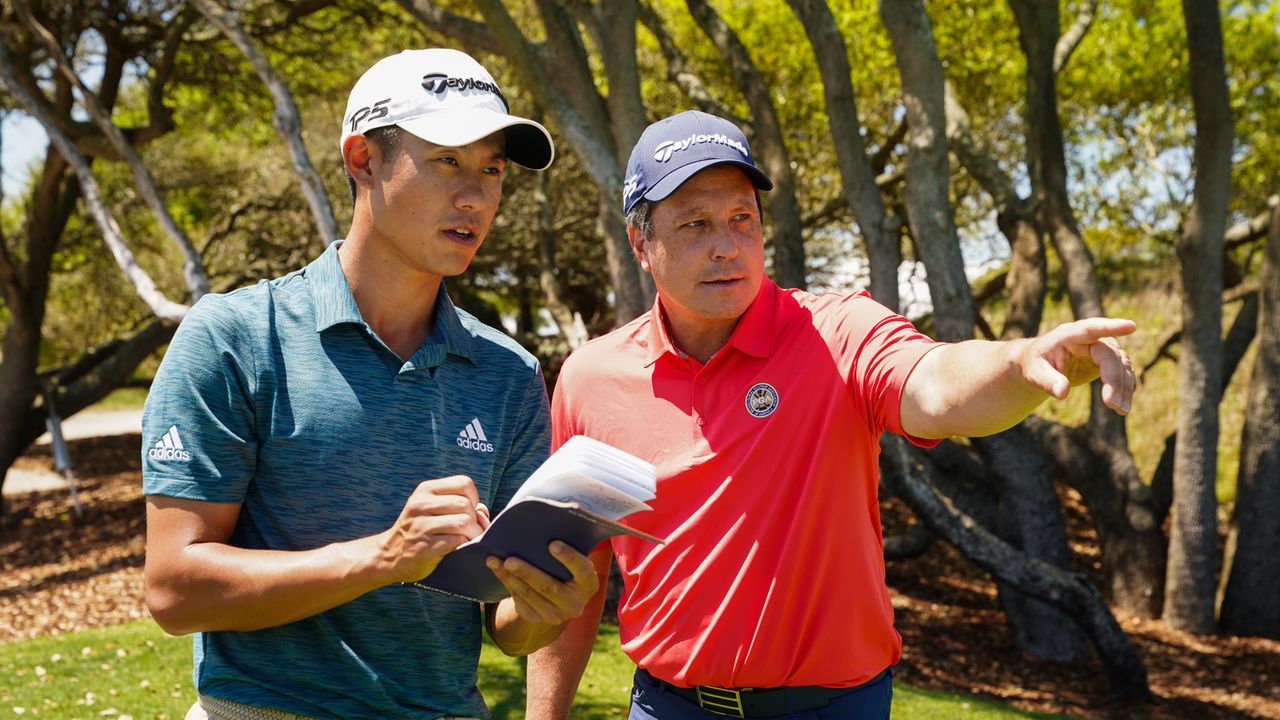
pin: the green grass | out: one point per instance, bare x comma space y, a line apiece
137, 672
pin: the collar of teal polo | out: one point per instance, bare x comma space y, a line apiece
336, 305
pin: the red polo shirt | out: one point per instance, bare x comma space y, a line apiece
773, 572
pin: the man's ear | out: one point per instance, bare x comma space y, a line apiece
360, 157
638, 246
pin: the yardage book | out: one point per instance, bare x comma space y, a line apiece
577, 496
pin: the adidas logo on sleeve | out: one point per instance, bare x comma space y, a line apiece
472, 437
169, 447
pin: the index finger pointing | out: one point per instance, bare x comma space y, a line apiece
1091, 330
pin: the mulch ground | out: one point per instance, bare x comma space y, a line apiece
60, 574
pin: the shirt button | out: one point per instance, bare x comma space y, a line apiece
702, 421
702, 381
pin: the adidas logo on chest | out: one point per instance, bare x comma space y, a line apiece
472, 437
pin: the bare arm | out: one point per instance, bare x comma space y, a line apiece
539, 605
555, 670
196, 581
979, 387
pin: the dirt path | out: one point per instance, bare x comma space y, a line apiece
86, 424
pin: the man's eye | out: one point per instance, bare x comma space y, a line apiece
496, 171
695, 223
741, 217
449, 160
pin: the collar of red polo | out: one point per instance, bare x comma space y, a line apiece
753, 334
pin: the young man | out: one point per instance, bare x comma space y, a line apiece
762, 409
314, 442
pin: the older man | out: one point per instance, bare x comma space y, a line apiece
762, 409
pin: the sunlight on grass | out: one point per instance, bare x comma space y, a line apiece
135, 671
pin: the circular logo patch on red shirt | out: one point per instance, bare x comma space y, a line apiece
762, 400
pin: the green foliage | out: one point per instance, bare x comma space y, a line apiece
136, 671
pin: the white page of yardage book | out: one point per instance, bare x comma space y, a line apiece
591, 493
624, 471
581, 472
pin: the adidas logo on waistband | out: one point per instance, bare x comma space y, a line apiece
472, 437
169, 447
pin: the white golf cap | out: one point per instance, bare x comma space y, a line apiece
444, 97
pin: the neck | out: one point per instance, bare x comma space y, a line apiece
397, 303
699, 340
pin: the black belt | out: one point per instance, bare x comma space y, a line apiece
762, 702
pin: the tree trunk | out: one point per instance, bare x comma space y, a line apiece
1244, 328
1068, 591
1030, 519
26, 288
1027, 499
138, 277
286, 118
1252, 571
569, 322
578, 112
1190, 589
1135, 584
1027, 273
1132, 543
1038, 26
784, 213
193, 267
857, 180
927, 192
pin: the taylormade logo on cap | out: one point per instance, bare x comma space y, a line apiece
664, 151
439, 82
444, 97
671, 151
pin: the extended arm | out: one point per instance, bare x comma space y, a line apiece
555, 670
196, 581
979, 387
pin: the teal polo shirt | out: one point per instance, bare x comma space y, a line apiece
281, 398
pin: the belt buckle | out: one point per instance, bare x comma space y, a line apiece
721, 701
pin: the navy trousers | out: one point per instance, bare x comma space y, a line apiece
650, 700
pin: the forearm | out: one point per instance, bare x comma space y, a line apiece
215, 586
515, 635
972, 388
555, 670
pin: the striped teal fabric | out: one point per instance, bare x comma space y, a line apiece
281, 398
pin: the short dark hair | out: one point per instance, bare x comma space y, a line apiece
388, 139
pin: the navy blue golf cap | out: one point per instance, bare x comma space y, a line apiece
671, 151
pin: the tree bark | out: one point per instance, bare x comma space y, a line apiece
784, 212
286, 118
1252, 571
569, 322
1244, 328
1068, 591
142, 283
1030, 519
581, 125
1038, 26
193, 267
1028, 503
856, 177
927, 192
1039, 36
1015, 218
26, 289
1190, 588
